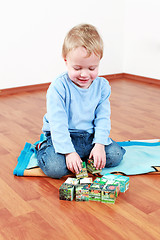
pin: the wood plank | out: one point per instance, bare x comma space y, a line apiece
11, 200
30, 207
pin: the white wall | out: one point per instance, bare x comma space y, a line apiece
142, 38
32, 33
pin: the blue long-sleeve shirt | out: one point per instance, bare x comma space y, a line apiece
71, 108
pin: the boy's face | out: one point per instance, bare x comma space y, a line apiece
82, 70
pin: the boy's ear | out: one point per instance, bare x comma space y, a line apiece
65, 61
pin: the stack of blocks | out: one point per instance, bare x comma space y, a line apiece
82, 189
67, 189
105, 189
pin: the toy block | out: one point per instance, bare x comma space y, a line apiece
67, 189
86, 180
72, 181
95, 189
122, 180
66, 192
82, 192
83, 173
91, 168
109, 193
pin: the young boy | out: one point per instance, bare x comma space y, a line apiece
77, 122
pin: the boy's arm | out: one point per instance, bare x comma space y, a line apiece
58, 120
58, 123
102, 123
102, 126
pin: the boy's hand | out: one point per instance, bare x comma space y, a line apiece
98, 154
73, 162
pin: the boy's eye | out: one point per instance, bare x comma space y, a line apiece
91, 69
77, 69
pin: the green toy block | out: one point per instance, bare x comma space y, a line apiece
66, 192
122, 180
95, 190
83, 172
109, 193
67, 189
91, 168
82, 192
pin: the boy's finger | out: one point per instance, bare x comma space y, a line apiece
103, 163
75, 168
79, 165
71, 168
96, 163
90, 156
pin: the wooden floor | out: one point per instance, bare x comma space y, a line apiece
30, 208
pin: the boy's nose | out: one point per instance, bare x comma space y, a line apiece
84, 73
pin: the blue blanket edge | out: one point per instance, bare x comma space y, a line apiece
135, 143
30, 149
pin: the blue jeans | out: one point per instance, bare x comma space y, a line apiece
54, 164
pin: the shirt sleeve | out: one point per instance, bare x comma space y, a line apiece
58, 119
102, 123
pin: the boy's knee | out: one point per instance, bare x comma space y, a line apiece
53, 165
114, 155
53, 172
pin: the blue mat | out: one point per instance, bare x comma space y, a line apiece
140, 158
28, 157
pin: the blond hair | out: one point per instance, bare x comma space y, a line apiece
83, 35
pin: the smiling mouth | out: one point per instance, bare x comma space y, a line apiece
83, 80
